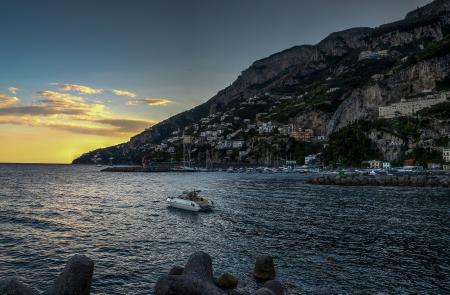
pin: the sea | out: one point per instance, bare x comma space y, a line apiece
389, 240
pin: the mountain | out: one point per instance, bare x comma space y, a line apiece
336, 84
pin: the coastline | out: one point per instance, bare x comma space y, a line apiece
383, 180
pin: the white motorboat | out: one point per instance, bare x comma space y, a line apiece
191, 201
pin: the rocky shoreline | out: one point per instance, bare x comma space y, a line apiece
75, 279
195, 278
383, 180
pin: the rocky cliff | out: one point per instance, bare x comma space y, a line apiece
333, 83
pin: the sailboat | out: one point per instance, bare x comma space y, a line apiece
187, 141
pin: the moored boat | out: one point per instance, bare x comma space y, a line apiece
191, 201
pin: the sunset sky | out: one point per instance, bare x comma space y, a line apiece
82, 74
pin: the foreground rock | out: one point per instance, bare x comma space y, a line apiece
263, 291
275, 286
264, 268
75, 279
227, 281
176, 270
197, 279
199, 266
383, 180
14, 286
185, 285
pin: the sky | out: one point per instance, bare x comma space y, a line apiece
76, 75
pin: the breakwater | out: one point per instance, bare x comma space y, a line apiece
124, 169
195, 278
75, 279
383, 180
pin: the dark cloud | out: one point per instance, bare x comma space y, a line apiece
149, 101
127, 125
39, 110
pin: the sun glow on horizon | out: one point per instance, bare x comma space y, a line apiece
59, 124
24, 144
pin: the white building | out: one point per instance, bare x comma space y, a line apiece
310, 159
386, 165
223, 145
265, 128
434, 166
331, 90
237, 144
373, 54
321, 137
446, 155
291, 163
373, 164
404, 107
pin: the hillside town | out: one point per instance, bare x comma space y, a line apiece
233, 137
245, 139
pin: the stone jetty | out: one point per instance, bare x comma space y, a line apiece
383, 180
196, 278
124, 169
75, 279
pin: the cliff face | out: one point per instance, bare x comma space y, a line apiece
309, 71
413, 80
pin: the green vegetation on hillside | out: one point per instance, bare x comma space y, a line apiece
435, 49
442, 141
439, 111
401, 127
443, 85
424, 156
349, 147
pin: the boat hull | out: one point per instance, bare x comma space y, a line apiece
185, 205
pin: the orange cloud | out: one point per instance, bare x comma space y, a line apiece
6, 101
107, 127
112, 127
79, 88
64, 103
66, 112
149, 101
124, 93
58, 96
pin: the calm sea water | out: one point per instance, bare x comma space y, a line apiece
394, 240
